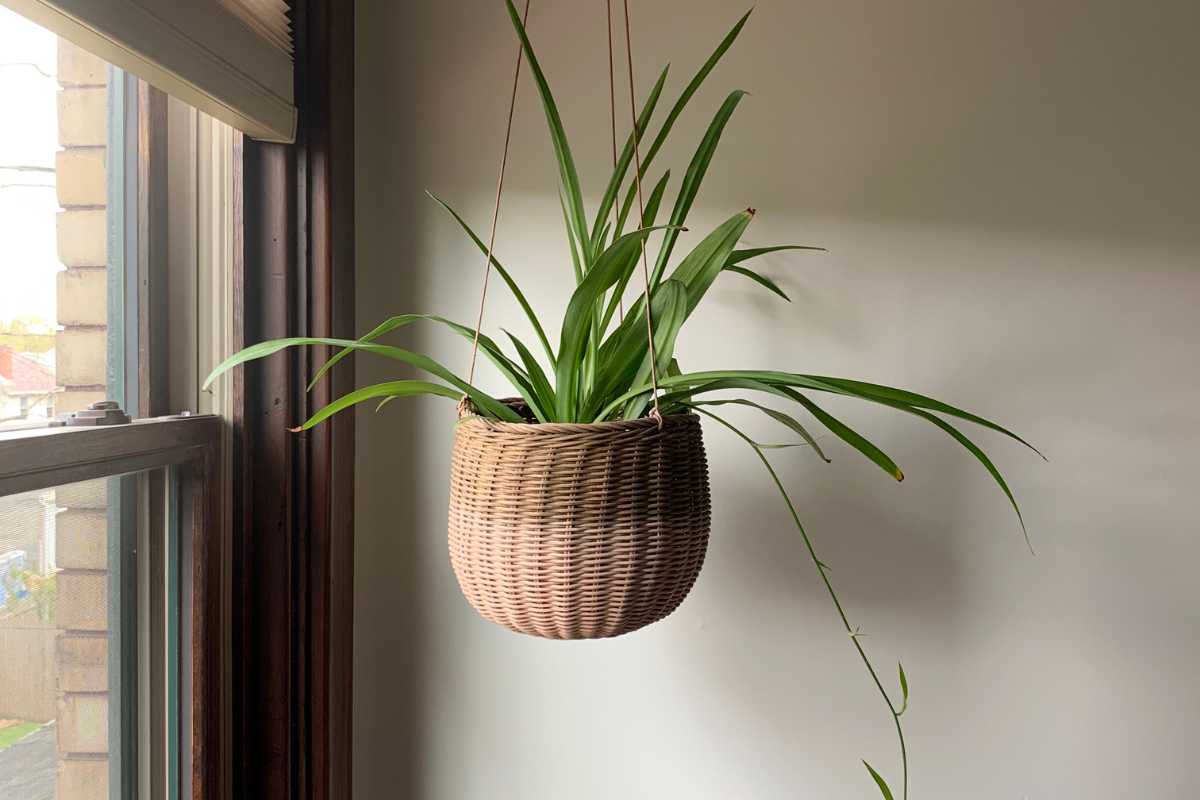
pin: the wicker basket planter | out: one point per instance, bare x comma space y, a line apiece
578, 531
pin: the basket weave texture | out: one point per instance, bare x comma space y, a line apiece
578, 531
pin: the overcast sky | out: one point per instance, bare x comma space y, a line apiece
28, 137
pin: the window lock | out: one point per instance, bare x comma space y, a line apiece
105, 412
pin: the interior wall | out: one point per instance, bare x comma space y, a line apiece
1008, 195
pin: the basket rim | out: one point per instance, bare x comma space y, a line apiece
469, 415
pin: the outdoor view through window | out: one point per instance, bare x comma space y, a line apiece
57, 568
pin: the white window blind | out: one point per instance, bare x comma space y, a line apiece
229, 58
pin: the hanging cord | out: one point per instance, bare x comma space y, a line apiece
637, 179
612, 113
487, 267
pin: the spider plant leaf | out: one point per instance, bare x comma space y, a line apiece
690, 383
778, 416
513, 373
622, 165
782, 381
852, 437
388, 391
577, 321
604, 235
693, 179
677, 109
489, 347
648, 219
738, 256
482, 400
625, 351
880, 782
388, 325
568, 175
575, 262
903, 689
876, 392
702, 266
512, 285
668, 312
871, 392
540, 384
980, 456
762, 280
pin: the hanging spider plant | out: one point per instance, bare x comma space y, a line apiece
605, 367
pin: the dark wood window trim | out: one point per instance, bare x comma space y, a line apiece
292, 570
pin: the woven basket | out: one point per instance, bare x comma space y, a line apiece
577, 531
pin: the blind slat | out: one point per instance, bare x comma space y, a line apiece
268, 17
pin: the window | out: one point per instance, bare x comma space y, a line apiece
116, 235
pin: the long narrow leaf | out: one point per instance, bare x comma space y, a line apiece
537, 379
677, 109
880, 782
562, 149
388, 325
671, 300
874, 391
706, 261
761, 280
648, 220
785, 419
577, 321
623, 355
738, 256
871, 392
575, 260
852, 437
622, 165
504, 274
694, 178
981, 456
388, 391
490, 349
423, 362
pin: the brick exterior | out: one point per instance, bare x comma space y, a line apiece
83, 778
83, 116
82, 355
82, 539
82, 176
78, 67
81, 651
82, 663
83, 237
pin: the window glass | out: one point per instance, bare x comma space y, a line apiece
55, 147
59, 627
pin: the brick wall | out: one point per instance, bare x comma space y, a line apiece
81, 365
82, 227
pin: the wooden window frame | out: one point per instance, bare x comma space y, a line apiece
293, 495
272, 591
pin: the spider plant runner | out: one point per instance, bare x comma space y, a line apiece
604, 369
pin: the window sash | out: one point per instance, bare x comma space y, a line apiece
188, 449
46, 457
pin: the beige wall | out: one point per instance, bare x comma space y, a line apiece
1008, 191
